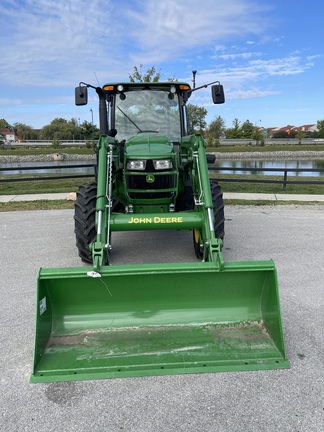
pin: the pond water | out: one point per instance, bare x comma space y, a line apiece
262, 165
58, 167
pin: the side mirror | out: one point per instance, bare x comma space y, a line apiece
81, 95
218, 94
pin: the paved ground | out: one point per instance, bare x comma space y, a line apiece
282, 400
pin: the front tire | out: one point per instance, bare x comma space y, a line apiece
218, 207
219, 218
84, 219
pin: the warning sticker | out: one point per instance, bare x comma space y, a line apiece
42, 306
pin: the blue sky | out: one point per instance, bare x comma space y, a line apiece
269, 55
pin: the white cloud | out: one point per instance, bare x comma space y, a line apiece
253, 70
281, 66
243, 81
243, 55
47, 42
10, 102
172, 27
250, 93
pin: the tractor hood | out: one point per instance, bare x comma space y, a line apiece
148, 144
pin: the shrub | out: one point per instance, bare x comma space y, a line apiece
56, 143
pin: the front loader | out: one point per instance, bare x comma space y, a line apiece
105, 321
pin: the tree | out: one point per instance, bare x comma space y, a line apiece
196, 118
300, 134
89, 130
320, 127
216, 130
247, 129
258, 135
25, 132
61, 129
196, 114
3, 124
151, 75
235, 132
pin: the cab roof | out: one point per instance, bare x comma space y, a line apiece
161, 85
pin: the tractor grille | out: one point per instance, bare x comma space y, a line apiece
150, 190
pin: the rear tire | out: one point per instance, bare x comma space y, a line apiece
84, 219
218, 207
219, 218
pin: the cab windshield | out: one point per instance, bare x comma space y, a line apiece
147, 111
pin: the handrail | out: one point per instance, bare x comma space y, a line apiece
284, 182
47, 167
285, 171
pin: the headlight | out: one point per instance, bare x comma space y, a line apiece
136, 165
162, 164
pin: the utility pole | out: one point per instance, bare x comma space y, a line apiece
92, 124
79, 128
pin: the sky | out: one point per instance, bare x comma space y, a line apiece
268, 54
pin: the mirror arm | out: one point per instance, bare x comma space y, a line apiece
87, 85
203, 86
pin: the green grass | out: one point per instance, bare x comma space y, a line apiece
36, 205
71, 185
41, 186
61, 204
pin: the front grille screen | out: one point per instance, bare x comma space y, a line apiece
147, 188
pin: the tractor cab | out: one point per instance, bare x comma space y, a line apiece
133, 108
141, 109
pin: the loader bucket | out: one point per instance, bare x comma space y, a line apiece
158, 319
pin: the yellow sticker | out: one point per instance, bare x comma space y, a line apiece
155, 220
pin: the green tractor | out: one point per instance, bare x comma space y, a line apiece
105, 321
149, 168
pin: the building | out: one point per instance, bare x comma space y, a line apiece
8, 135
307, 129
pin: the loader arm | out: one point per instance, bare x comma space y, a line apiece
195, 145
100, 247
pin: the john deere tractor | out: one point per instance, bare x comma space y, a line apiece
104, 321
149, 168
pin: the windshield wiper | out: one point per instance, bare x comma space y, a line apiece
129, 119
